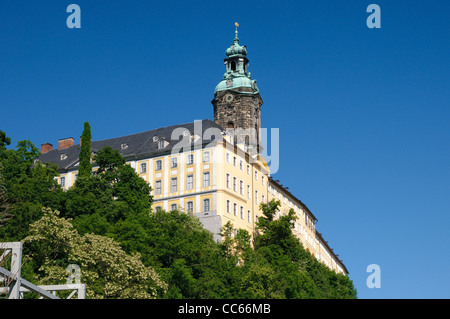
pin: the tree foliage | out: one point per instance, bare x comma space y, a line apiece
104, 223
27, 185
107, 270
85, 167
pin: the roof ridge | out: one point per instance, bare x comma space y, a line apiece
156, 129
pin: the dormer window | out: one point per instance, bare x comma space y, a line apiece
161, 144
123, 146
63, 157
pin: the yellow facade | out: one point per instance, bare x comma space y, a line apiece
221, 183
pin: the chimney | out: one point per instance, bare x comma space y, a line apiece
65, 143
46, 147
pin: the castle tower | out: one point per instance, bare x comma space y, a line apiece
237, 102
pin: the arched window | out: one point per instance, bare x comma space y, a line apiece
233, 66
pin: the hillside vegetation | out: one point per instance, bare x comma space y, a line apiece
104, 224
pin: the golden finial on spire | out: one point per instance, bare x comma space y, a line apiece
236, 24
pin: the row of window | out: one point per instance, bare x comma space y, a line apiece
241, 211
189, 183
206, 207
241, 189
241, 167
174, 162
309, 222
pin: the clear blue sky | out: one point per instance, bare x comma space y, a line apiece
363, 113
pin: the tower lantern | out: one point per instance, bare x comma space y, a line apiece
237, 102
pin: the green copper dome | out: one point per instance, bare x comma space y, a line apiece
236, 82
235, 48
236, 67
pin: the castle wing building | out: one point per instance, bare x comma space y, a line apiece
213, 169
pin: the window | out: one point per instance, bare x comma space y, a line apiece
241, 187
158, 187
256, 175
206, 181
235, 209
206, 157
206, 205
173, 185
190, 182
158, 208
262, 180
248, 192
234, 161
256, 197
228, 206
174, 162
249, 217
62, 181
234, 183
248, 169
190, 159
227, 156
262, 199
160, 144
241, 165
242, 212
228, 180
190, 207
143, 168
158, 165
173, 207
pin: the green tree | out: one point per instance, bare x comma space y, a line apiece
182, 251
4, 141
85, 166
300, 275
27, 185
108, 160
5, 206
106, 269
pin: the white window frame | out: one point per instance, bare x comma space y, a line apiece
206, 179
190, 182
174, 185
190, 159
206, 157
173, 162
158, 190
206, 200
190, 206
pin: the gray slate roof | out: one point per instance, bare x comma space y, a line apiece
138, 146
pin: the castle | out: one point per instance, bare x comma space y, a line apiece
213, 169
